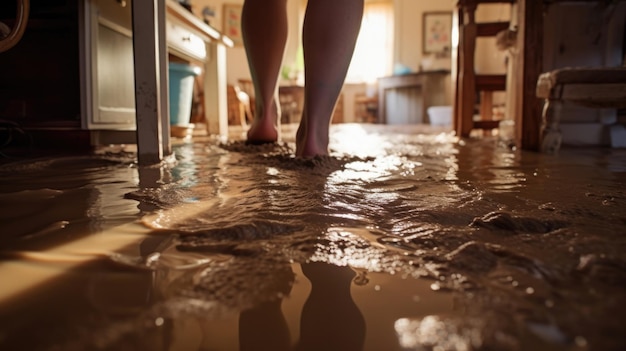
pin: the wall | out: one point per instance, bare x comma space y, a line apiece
408, 28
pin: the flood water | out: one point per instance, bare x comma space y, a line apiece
400, 240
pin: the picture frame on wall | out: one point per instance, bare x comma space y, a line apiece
437, 32
232, 23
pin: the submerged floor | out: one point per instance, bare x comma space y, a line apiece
401, 240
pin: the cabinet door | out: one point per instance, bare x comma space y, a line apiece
112, 66
115, 88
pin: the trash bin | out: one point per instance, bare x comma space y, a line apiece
181, 78
440, 115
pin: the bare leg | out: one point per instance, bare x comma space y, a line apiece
264, 29
330, 31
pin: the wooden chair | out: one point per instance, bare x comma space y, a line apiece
469, 84
366, 108
245, 111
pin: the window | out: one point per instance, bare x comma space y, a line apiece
373, 56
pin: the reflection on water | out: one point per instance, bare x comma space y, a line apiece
399, 240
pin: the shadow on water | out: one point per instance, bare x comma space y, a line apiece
397, 241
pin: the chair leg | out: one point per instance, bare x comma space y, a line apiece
245, 110
550, 132
486, 105
242, 115
486, 109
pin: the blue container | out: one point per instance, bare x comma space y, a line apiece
181, 77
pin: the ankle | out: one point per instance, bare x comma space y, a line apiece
264, 128
311, 142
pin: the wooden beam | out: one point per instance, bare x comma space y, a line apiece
528, 106
478, 2
491, 82
491, 29
466, 76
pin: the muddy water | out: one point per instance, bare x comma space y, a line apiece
398, 241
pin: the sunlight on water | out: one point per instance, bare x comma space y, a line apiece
357, 142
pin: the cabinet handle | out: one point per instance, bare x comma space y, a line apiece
122, 2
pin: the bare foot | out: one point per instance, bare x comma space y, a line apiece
311, 140
264, 128
262, 131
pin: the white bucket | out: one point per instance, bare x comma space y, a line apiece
440, 115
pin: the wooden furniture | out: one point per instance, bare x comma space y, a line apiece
486, 85
469, 84
291, 99
430, 83
527, 66
525, 63
242, 110
365, 108
601, 87
141, 37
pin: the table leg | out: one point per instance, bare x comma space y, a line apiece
382, 108
150, 80
216, 109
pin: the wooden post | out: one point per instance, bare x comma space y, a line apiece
466, 78
148, 44
530, 65
486, 105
